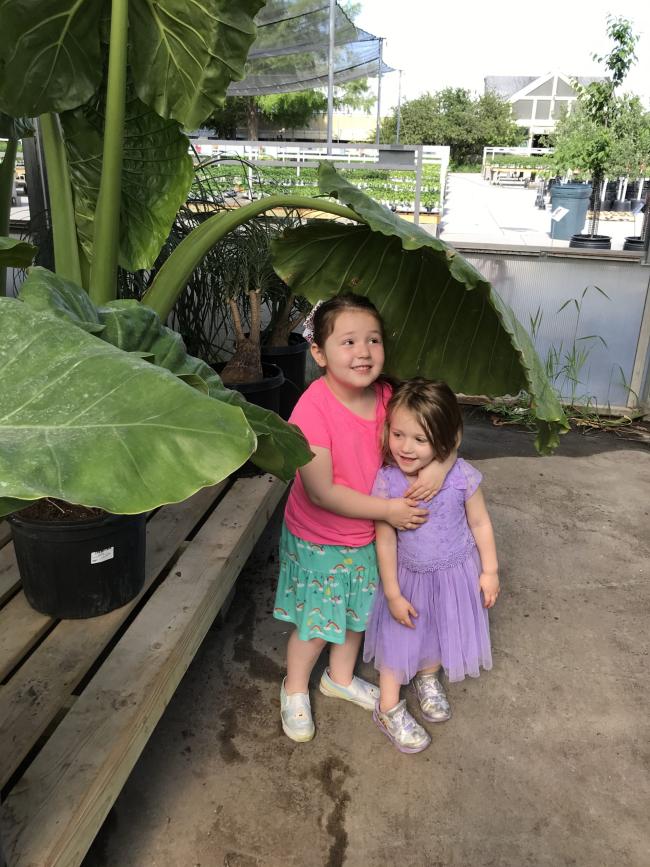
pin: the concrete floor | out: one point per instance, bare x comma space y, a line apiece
545, 761
477, 211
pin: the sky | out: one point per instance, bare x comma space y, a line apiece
456, 44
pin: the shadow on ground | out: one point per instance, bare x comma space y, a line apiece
544, 762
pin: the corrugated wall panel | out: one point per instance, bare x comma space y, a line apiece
530, 283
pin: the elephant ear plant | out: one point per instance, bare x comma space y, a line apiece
101, 406
442, 318
86, 416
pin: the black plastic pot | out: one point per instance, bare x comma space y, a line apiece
78, 570
291, 360
591, 242
264, 392
621, 205
634, 242
637, 205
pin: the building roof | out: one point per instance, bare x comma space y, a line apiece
507, 85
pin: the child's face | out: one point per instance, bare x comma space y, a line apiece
353, 354
408, 443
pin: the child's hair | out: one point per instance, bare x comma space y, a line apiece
436, 409
326, 314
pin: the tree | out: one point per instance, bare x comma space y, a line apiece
294, 109
456, 118
285, 110
591, 139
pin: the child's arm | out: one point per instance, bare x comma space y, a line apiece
431, 478
481, 527
316, 476
386, 545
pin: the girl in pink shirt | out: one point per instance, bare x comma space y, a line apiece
328, 568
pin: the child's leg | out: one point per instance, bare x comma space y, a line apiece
343, 658
301, 658
339, 681
389, 688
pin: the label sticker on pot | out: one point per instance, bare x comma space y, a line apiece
101, 556
559, 213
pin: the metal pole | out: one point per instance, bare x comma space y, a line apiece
399, 106
381, 45
418, 184
330, 77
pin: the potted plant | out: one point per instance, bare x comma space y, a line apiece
71, 446
586, 139
102, 405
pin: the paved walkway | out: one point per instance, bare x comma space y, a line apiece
544, 763
476, 210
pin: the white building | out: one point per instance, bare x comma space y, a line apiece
537, 102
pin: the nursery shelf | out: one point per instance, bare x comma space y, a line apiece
80, 698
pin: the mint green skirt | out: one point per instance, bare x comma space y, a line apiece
325, 589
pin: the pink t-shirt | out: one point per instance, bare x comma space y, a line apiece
354, 444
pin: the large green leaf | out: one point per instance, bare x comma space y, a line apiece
184, 55
442, 317
136, 329
16, 127
281, 448
50, 54
83, 421
15, 253
156, 175
48, 293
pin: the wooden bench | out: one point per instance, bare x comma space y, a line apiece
80, 698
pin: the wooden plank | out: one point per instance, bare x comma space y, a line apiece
9, 577
20, 628
53, 814
42, 686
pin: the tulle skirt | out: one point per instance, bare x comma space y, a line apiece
451, 628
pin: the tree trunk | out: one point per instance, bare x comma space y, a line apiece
252, 118
285, 324
246, 362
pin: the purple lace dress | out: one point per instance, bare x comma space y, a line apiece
438, 568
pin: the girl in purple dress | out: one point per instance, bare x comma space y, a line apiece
438, 580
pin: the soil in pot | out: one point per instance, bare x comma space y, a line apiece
83, 563
291, 360
263, 392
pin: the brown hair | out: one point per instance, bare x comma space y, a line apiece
326, 314
436, 409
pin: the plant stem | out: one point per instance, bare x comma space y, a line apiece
176, 271
7, 169
64, 230
103, 274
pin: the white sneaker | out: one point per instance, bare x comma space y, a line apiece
360, 692
295, 712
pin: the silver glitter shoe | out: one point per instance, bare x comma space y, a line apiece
432, 698
401, 729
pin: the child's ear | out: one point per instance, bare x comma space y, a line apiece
318, 355
459, 439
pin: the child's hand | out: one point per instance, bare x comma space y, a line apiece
429, 481
403, 514
402, 611
489, 584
